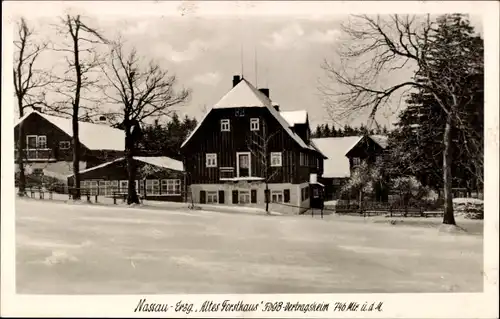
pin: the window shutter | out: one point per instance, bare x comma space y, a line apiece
221, 197
253, 195
203, 197
286, 195
235, 197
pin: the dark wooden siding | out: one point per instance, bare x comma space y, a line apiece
366, 149
210, 139
37, 125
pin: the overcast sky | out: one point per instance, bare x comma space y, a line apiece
205, 52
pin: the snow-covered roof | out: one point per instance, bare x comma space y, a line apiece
381, 140
295, 117
93, 136
334, 148
159, 161
244, 94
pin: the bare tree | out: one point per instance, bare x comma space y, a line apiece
29, 84
258, 144
74, 89
380, 45
142, 91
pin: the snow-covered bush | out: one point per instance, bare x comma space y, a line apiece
470, 208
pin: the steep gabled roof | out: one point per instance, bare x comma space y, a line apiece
93, 136
244, 94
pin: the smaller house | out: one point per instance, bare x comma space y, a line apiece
344, 154
49, 142
158, 178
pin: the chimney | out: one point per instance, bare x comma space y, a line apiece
37, 108
101, 120
236, 80
276, 107
265, 91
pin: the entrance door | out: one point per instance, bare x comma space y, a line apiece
243, 164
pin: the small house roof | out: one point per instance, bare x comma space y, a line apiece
91, 135
159, 161
334, 148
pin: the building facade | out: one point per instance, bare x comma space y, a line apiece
344, 155
49, 144
158, 178
244, 145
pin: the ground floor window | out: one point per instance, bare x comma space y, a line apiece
244, 197
171, 186
212, 198
152, 187
123, 186
277, 196
90, 186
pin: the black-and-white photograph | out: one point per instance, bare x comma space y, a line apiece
189, 153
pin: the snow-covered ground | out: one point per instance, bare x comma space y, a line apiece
65, 249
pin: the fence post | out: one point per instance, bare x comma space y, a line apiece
40, 192
88, 196
50, 195
96, 196
114, 198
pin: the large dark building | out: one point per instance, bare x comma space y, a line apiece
245, 141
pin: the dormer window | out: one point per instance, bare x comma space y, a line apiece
239, 112
224, 125
254, 124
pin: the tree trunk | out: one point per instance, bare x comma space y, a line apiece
448, 217
267, 195
76, 156
21, 145
132, 197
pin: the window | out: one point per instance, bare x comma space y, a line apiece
92, 187
152, 187
212, 198
277, 196
244, 197
31, 141
356, 161
114, 186
36, 141
211, 160
254, 124
123, 186
42, 141
239, 112
302, 159
275, 158
171, 186
64, 145
224, 125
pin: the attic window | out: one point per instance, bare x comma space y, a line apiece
239, 112
64, 145
224, 125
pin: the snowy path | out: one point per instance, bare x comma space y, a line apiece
83, 249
